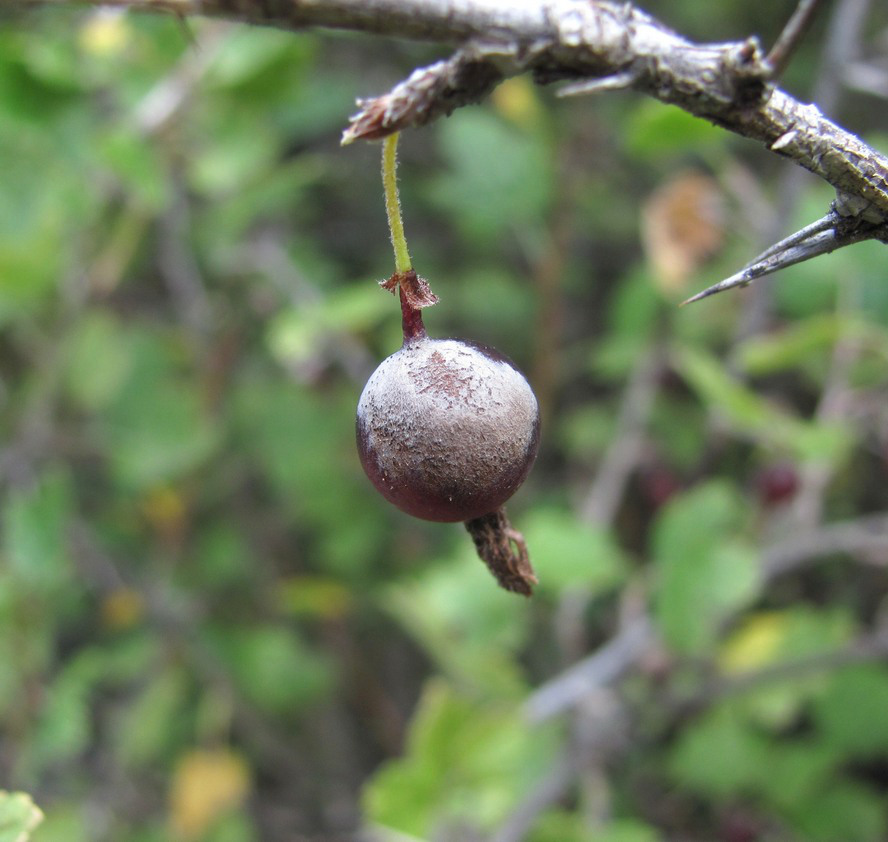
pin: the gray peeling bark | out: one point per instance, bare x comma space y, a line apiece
615, 45
592, 45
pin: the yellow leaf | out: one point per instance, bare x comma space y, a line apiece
755, 643
516, 100
206, 785
122, 608
314, 596
683, 225
105, 33
166, 510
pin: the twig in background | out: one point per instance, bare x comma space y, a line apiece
267, 254
602, 667
179, 267
865, 538
867, 78
559, 778
844, 33
165, 100
791, 36
871, 647
603, 499
604, 496
833, 407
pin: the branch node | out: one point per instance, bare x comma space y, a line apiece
430, 92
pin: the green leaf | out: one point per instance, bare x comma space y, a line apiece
134, 159
767, 639
297, 438
752, 415
720, 755
98, 360
586, 430
654, 131
469, 626
852, 713
223, 224
635, 308
65, 724
680, 428
313, 597
154, 724
303, 442
249, 52
64, 728
625, 830
239, 150
66, 822
562, 826
842, 811
497, 177
720, 390
222, 558
158, 427
567, 553
705, 570
272, 666
35, 523
806, 345
297, 336
466, 761
18, 816
803, 770
790, 347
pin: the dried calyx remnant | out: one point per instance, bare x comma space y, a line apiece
447, 430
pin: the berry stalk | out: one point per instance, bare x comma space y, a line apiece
393, 204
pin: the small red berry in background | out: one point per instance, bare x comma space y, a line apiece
777, 483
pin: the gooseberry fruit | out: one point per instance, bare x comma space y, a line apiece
447, 430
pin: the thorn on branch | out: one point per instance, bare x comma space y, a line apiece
831, 232
617, 82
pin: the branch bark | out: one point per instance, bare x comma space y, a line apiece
596, 46
555, 40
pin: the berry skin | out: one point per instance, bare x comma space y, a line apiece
447, 430
777, 483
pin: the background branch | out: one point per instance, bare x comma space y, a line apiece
569, 40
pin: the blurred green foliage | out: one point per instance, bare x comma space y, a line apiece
211, 627
18, 816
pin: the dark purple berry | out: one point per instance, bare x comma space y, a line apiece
777, 483
447, 430
659, 484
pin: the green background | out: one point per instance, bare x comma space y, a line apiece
212, 628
